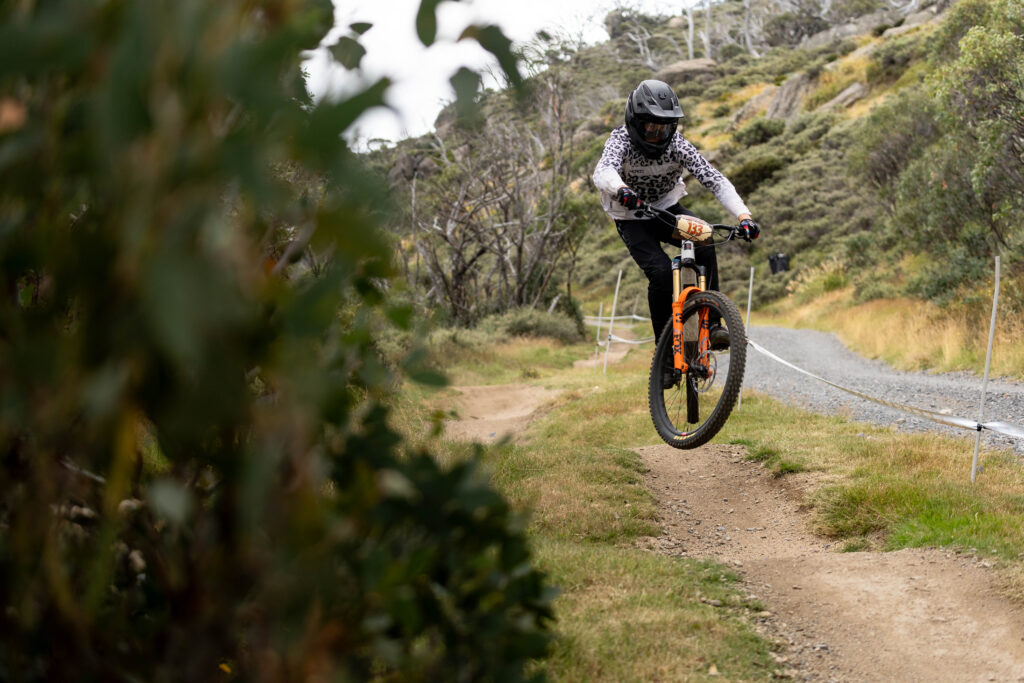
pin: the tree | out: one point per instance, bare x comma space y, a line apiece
983, 96
197, 476
489, 230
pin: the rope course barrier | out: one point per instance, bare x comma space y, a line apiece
941, 418
595, 318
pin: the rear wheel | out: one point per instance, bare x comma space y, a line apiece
689, 409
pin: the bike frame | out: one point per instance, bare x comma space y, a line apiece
687, 260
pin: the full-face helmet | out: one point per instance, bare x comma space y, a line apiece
652, 115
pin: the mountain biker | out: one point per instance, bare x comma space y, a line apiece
643, 162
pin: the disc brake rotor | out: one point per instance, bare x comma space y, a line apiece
702, 373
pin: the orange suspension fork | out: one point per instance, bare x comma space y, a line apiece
686, 258
677, 328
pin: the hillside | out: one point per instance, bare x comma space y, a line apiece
862, 148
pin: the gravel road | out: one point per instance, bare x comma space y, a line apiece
957, 394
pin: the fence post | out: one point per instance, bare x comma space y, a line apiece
597, 341
984, 383
750, 298
611, 322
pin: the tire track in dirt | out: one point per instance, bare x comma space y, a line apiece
911, 615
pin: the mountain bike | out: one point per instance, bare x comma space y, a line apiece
693, 388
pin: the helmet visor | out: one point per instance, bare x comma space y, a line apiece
657, 131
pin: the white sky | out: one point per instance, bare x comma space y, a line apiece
420, 75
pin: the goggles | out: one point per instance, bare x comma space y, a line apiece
657, 132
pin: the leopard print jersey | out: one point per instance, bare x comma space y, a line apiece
658, 181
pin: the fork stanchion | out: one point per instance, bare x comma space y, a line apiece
611, 321
984, 383
750, 298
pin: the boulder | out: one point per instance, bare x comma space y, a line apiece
403, 169
755, 106
685, 69
428, 167
788, 100
677, 22
922, 17
863, 51
855, 92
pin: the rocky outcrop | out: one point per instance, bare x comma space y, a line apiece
686, 69
407, 166
788, 101
755, 106
860, 25
847, 97
911, 22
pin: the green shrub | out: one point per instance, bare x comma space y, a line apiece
759, 131
894, 57
729, 51
526, 322
751, 174
198, 479
825, 277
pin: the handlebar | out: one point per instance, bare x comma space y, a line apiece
645, 209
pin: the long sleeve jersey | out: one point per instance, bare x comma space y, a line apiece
658, 182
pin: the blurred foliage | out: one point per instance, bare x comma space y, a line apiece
198, 481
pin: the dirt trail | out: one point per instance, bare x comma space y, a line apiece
489, 413
912, 615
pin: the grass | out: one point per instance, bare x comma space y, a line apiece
848, 70
888, 490
629, 614
771, 459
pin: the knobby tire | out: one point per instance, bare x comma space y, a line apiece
683, 417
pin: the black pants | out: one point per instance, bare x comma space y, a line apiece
643, 238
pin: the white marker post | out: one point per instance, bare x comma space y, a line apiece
750, 298
611, 321
984, 383
597, 341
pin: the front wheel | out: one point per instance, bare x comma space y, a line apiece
688, 410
